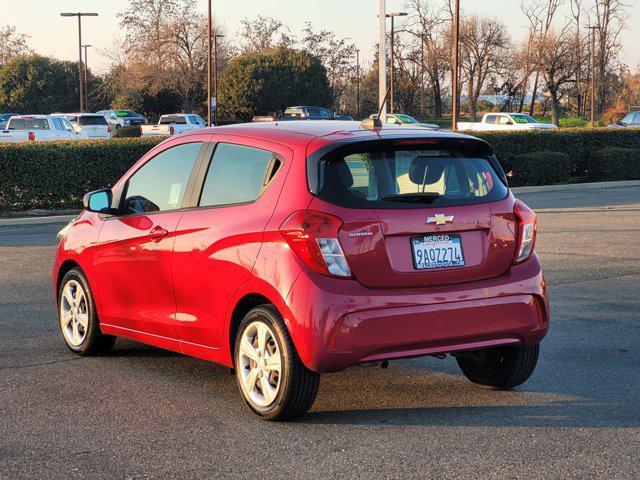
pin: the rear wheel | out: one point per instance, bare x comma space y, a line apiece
78, 317
272, 379
500, 367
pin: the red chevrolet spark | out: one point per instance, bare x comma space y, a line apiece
285, 250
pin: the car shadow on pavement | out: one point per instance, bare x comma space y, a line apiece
585, 414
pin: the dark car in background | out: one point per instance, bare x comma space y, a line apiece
123, 118
4, 119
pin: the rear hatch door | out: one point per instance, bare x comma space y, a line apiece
419, 215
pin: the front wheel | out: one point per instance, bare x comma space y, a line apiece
78, 317
272, 379
500, 367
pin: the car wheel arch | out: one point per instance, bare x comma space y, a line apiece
65, 267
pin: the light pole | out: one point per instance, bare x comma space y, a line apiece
209, 46
454, 88
80, 82
382, 60
393, 34
593, 76
86, 78
215, 75
357, 83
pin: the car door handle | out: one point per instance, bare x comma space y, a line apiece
157, 233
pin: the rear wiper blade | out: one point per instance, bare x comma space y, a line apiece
426, 197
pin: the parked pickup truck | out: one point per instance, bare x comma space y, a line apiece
302, 113
174, 124
505, 122
33, 128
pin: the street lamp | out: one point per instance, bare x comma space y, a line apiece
86, 78
215, 74
79, 15
593, 76
454, 80
382, 61
391, 87
357, 83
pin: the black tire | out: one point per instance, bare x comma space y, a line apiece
500, 367
94, 342
298, 386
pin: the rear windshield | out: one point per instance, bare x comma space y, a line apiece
28, 124
409, 178
92, 120
177, 120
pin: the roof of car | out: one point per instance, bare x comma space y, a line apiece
305, 130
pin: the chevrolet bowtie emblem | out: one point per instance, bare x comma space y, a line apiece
440, 219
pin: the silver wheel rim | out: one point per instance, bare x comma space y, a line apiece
74, 313
260, 364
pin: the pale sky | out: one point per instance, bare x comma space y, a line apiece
53, 35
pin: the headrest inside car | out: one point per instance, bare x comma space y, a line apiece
339, 171
434, 167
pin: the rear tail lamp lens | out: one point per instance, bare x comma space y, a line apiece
32, 137
313, 236
171, 130
526, 231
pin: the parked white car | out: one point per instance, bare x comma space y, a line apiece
34, 128
87, 125
505, 122
173, 124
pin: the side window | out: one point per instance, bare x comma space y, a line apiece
160, 183
505, 120
492, 119
237, 174
636, 120
57, 124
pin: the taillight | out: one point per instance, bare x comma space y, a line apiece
313, 236
140, 131
108, 129
32, 137
526, 231
171, 130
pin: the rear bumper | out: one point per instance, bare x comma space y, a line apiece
336, 324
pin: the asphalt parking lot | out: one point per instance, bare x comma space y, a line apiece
144, 413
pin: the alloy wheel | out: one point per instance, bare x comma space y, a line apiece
260, 364
74, 313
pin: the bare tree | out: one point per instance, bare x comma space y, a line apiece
13, 44
557, 58
264, 33
337, 56
609, 18
483, 44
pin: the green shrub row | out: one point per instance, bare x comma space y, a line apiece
126, 132
582, 147
56, 175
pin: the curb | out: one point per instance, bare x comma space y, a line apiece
50, 220
576, 186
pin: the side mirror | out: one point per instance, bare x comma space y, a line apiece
99, 201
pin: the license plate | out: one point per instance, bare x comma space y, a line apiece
437, 251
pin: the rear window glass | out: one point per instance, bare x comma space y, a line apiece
409, 178
177, 120
92, 120
28, 124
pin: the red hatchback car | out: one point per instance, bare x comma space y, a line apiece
287, 250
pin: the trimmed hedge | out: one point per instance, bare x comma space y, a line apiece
615, 163
578, 144
56, 175
541, 168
